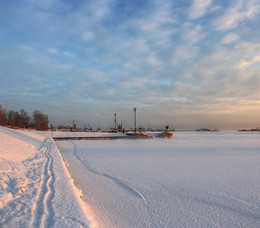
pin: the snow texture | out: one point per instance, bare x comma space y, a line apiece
35, 188
197, 179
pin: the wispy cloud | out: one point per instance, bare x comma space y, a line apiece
88, 35
230, 38
98, 57
234, 15
199, 8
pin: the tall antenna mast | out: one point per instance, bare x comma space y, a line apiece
115, 121
135, 118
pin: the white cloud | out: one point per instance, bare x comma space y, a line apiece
154, 57
88, 16
88, 35
158, 21
53, 50
244, 63
253, 8
199, 8
184, 53
101, 9
230, 38
193, 33
153, 60
243, 10
69, 54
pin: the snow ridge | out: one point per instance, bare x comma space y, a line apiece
44, 214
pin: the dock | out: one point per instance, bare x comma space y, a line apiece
89, 138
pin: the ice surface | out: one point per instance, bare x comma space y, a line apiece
197, 179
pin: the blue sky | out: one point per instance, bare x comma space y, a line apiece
187, 64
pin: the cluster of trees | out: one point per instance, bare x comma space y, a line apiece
22, 119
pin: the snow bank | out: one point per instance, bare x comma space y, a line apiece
35, 188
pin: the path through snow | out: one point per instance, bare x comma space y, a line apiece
35, 188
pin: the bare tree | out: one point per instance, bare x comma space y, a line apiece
25, 119
40, 120
10, 118
17, 119
2, 116
13, 119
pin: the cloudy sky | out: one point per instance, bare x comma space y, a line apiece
189, 64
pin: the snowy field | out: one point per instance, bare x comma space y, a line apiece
197, 179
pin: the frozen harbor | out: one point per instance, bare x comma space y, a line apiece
197, 179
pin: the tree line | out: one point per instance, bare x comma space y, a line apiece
22, 119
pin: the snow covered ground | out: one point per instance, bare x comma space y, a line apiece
197, 179
35, 188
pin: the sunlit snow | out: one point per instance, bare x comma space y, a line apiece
197, 179
35, 189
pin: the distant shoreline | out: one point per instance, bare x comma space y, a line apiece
256, 129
